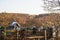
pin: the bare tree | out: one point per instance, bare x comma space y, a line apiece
51, 5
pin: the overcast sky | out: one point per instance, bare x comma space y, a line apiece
22, 6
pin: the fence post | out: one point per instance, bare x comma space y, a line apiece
45, 34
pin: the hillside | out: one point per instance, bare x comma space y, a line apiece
52, 19
6, 18
30, 20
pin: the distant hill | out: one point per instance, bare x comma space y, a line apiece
27, 20
48, 19
6, 18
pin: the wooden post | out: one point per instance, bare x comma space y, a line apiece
16, 34
5, 33
45, 34
56, 33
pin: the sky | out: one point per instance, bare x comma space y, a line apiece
22, 6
